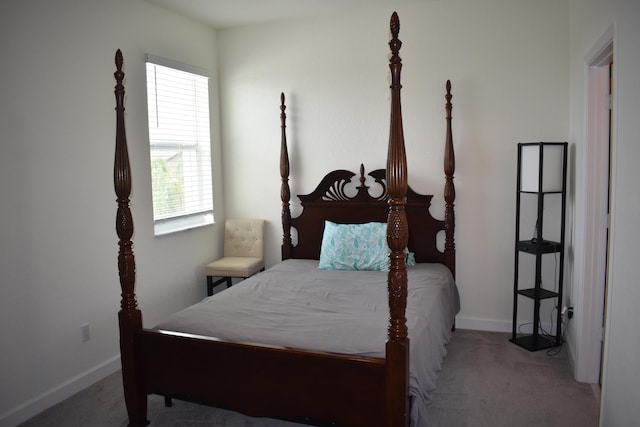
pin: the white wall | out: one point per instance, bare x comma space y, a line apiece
590, 21
57, 216
515, 78
508, 63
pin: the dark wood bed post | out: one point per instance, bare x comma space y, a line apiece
449, 190
285, 192
397, 347
129, 316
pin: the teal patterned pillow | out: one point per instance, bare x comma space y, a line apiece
354, 247
410, 260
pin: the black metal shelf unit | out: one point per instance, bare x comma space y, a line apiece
537, 185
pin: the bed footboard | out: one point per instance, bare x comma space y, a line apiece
265, 381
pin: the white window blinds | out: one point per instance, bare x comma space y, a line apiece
180, 146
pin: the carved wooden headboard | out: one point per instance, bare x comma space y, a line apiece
330, 202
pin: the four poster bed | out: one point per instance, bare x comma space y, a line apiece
340, 356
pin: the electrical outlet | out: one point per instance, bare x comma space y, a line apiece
86, 332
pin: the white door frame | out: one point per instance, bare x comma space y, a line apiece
590, 289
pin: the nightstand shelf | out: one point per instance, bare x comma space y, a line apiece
535, 247
533, 342
537, 293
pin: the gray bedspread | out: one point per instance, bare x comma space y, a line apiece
295, 304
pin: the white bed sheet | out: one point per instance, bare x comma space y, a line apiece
295, 304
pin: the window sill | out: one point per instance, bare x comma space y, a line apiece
174, 225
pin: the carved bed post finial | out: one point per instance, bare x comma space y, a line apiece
129, 316
397, 349
449, 189
394, 25
285, 192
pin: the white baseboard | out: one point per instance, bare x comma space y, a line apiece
56, 395
494, 325
491, 325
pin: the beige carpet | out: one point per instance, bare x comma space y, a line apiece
488, 381
485, 381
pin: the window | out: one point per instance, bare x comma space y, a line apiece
180, 145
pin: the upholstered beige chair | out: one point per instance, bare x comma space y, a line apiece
243, 252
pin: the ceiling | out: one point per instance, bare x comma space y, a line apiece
233, 13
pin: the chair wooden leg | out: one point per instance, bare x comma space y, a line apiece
209, 285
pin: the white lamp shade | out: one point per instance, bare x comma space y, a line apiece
552, 167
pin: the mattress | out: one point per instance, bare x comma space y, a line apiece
295, 304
